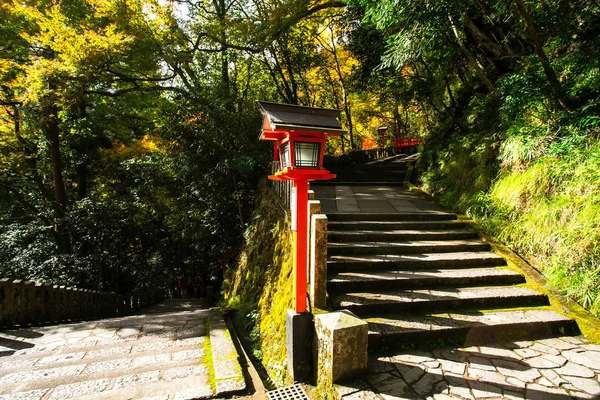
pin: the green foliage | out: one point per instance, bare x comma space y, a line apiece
544, 202
508, 96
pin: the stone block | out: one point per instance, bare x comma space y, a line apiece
318, 260
341, 346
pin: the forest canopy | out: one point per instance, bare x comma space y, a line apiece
128, 131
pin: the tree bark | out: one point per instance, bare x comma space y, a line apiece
57, 166
502, 56
471, 60
60, 194
555, 84
347, 110
82, 165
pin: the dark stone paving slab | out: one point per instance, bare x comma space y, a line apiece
542, 369
159, 353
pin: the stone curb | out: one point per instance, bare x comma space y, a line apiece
229, 378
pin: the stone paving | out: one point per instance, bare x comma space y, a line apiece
160, 353
547, 369
378, 199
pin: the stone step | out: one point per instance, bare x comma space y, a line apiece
413, 216
369, 177
335, 182
141, 356
432, 300
374, 236
409, 247
393, 225
367, 180
375, 168
344, 282
418, 261
467, 329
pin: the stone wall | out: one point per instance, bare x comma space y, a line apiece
27, 302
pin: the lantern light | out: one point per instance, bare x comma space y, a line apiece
307, 154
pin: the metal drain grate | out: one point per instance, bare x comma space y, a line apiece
294, 392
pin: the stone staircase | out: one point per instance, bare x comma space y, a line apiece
374, 173
425, 277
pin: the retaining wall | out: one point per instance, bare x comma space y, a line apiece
27, 302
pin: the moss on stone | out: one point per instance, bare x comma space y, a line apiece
261, 284
207, 360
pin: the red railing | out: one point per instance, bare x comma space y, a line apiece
407, 142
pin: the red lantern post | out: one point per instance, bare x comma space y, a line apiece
300, 134
382, 131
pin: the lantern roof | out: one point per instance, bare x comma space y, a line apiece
279, 118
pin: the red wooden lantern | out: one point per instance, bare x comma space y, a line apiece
299, 134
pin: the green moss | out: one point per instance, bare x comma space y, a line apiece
261, 285
537, 193
208, 357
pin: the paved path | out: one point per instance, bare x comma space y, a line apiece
161, 353
548, 369
370, 199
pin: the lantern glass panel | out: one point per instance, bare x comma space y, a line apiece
285, 155
307, 154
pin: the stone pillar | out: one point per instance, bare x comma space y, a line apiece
61, 302
318, 260
341, 346
17, 298
39, 311
314, 207
28, 299
51, 303
6, 301
311, 194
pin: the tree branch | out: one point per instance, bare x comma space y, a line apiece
135, 89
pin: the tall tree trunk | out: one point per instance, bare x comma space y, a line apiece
237, 197
60, 193
336, 100
57, 167
471, 60
221, 12
557, 88
82, 165
289, 66
502, 57
347, 110
449, 89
